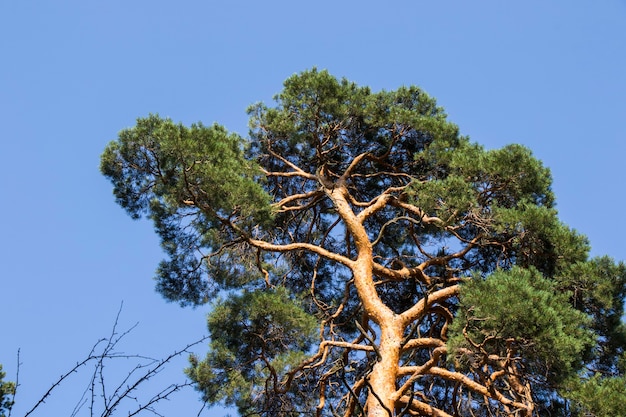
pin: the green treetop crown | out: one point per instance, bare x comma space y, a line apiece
364, 258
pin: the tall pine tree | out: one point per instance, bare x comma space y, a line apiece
361, 257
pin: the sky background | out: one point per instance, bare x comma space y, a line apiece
547, 74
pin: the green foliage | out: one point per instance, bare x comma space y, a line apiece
159, 160
190, 182
598, 289
352, 120
7, 391
520, 313
601, 397
538, 239
478, 178
507, 192
256, 336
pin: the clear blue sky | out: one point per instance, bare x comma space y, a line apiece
548, 74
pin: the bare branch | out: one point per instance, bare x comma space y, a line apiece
102, 352
418, 212
476, 387
422, 305
270, 247
294, 197
394, 220
352, 165
296, 170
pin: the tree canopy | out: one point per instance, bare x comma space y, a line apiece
362, 257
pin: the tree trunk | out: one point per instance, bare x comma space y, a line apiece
382, 379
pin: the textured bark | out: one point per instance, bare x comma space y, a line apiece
382, 379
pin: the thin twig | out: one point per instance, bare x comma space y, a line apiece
103, 351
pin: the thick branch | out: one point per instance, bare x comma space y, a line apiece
442, 260
423, 342
401, 274
297, 171
422, 408
418, 212
352, 165
475, 386
362, 267
420, 308
418, 371
290, 247
282, 203
378, 205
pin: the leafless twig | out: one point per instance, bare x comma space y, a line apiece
111, 396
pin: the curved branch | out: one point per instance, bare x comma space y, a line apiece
418, 371
352, 165
423, 342
442, 260
290, 247
401, 274
378, 204
420, 308
294, 197
423, 408
297, 171
418, 212
476, 387
394, 220
388, 191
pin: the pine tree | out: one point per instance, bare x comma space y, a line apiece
362, 257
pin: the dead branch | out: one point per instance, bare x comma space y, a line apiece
101, 354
